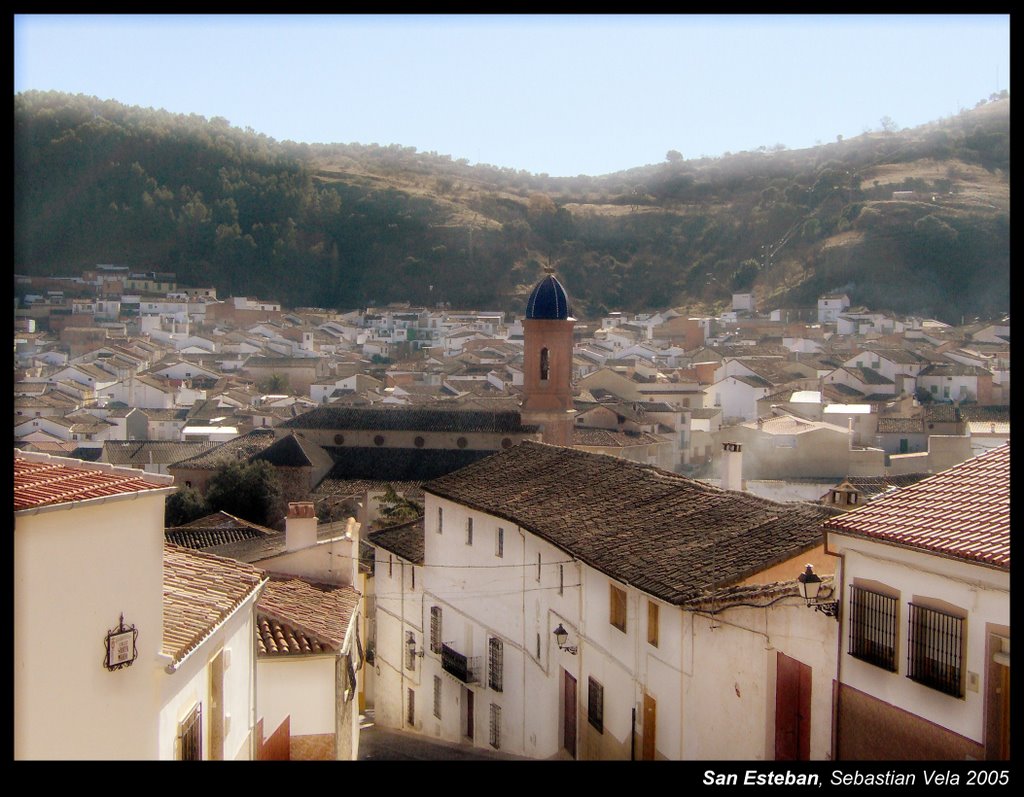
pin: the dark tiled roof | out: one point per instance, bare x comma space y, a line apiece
953, 369
200, 591
873, 486
431, 418
663, 533
979, 413
868, 376
398, 464
216, 529
405, 540
240, 448
613, 438
285, 453
151, 452
892, 424
962, 513
296, 616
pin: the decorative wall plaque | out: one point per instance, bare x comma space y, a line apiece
120, 644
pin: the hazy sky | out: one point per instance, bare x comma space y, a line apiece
565, 95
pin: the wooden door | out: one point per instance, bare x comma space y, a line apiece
650, 728
792, 710
569, 714
469, 713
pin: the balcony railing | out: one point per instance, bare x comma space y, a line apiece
466, 668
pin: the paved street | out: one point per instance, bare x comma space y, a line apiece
385, 744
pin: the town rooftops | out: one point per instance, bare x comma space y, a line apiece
296, 616
215, 529
422, 418
42, 480
667, 535
239, 448
962, 513
200, 591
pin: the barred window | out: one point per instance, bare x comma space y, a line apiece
873, 623
435, 629
935, 651
440, 520
469, 531
190, 736
538, 567
437, 696
617, 609
495, 726
595, 704
561, 579
410, 712
499, 543
495, 663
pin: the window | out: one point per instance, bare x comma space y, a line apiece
410, 652
499, 543
652, 623
495, 663
190, 735
595, 704
936, 649
618, 608
873, 623
545, 365
538, 567
435, 629
437, 696
538, 645
561, 579
410, 711
413, 569
469, 531
440, 519
495, 726
391, 565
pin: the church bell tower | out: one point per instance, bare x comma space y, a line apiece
547, 362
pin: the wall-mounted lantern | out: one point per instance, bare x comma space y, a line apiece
810, 584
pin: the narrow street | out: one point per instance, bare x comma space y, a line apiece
386, 744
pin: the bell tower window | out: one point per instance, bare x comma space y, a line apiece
545, 365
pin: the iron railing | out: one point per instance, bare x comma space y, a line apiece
873, 624
936, 650
465, 668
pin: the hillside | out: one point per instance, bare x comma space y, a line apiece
346, 225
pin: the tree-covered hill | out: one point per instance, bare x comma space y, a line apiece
344, 225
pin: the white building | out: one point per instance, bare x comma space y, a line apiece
559, 604
925, 613
124, 647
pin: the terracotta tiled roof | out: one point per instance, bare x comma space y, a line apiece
137, 453
582, 436
299, 616
240, 448
896, 424
405, 540
200, 591
663, 533
42, 480
963, 512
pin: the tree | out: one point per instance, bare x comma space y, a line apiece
888, 125
183, 507
248, 490
395, 508
673, 156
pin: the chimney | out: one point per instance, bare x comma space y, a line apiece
300, 526
732, 466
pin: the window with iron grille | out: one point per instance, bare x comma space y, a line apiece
495, 726
437, 696
440, 520
936, 649
499, 543
495, 663
435, 629
873, 623
595, 704
410, 709
561, 579
538, 567
410, 650
190, 736
469, 531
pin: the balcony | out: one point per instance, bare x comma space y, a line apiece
465, 668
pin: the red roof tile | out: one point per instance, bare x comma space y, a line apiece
299, 616
963, 512
200, 591
41, 480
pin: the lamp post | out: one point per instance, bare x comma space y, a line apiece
561, 635
810, 584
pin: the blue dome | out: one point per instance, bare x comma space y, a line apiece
548, 300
